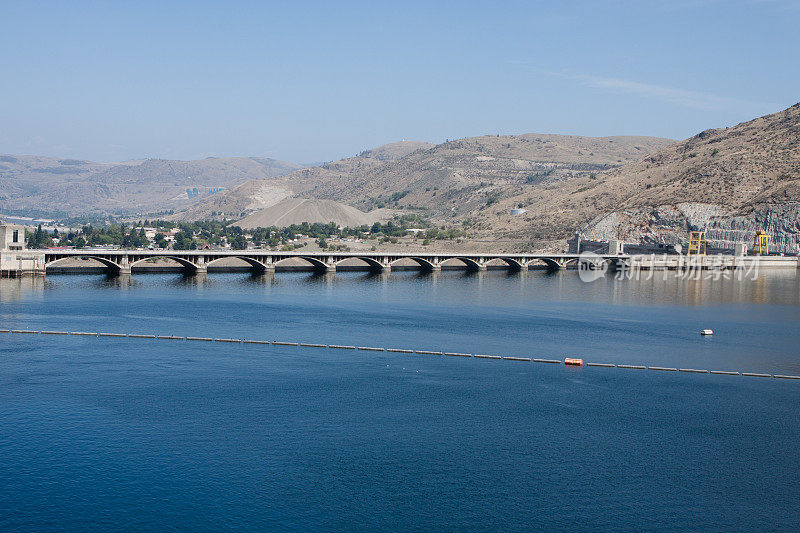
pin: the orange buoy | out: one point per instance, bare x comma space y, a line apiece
574, 362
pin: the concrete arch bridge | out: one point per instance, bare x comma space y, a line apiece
198, 261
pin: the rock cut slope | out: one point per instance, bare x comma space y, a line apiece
731, 182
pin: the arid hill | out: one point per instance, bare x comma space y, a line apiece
730, 181
298, 210
450, 181
259, 194
70, 186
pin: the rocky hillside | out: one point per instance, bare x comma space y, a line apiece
450, 182
731, 181
69, 186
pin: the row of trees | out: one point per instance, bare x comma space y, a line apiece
114, 234
194, 235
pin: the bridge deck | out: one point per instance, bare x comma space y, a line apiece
194, 261
297, 253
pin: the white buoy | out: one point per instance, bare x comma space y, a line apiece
707, 332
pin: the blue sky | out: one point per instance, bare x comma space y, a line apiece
314, 81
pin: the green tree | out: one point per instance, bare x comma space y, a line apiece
182, 241
239, 242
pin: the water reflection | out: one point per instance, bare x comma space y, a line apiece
494, 287
260, 278
120, 281
198, 280
318, 277
26, 287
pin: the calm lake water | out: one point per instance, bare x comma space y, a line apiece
110, 433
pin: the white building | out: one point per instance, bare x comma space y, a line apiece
12, 237
15, 260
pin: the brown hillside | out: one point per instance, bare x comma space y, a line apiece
752, 163
453, 180
254, 195
732, 181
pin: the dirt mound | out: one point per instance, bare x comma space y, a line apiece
298, 210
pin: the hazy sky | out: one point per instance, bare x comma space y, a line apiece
312, 81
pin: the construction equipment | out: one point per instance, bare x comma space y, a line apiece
697, 243
761, 243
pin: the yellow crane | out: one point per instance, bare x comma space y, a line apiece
761, 243
697, 243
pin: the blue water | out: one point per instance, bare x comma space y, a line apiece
109, 433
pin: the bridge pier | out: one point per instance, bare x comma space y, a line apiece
200, 266
124, 266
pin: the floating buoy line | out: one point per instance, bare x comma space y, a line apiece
569, 361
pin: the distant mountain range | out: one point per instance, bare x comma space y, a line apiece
72, 187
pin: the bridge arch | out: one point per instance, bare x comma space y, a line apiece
374, 264
257, 265
513, 264
319, 266
549, 262
185, 263
601, 262
471, 264
111, 266
422, 262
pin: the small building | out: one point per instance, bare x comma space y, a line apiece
15, 260
12, 237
